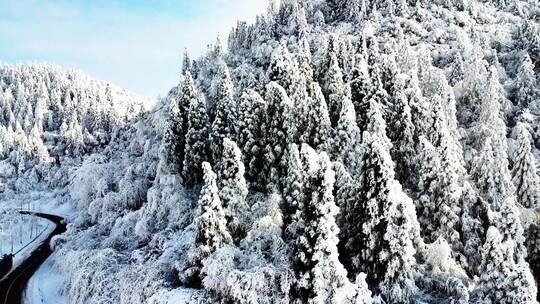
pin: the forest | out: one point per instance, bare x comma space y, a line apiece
336, 151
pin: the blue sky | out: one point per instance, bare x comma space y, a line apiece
136, 44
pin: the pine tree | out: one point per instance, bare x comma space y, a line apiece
524, 172
280, 131
304, 60
177, 127
210, 229
293, 194
224, 124
382, 221
186, 63
197, 148
361, 90
318, 129
439, 201
502, 279
348, 139
251, 127
334, 88
233, 188
527, 93
401, 131
320, 276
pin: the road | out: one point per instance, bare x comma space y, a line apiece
12, 288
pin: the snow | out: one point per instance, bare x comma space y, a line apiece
45, 286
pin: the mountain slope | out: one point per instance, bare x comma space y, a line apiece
338, 152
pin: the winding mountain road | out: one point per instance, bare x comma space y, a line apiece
13, 286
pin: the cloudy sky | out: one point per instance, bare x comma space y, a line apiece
137, 44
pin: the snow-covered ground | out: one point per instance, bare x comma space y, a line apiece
44, 286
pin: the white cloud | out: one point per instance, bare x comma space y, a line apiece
137, 49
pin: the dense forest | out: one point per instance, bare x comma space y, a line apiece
337, 151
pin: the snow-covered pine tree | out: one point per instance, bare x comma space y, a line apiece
293, 194
524, 173
502, 279
439, 200
401, 131
197, 148
320, 277
347, 139
526, 85
280, 131
233, 188
175, 136
318, 129
334, 88
382, 221
251, 126
224, 124
361, 90
210, 229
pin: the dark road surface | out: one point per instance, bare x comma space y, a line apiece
12, 287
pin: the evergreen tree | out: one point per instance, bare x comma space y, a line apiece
233, 188
320, 275
361, 90
439, 201
224, 124
401, 131
177, 127
293, 194
197, 148
251, 127
524, 173
334, 88
318, 128
280, 131
527, 93
347, 139
382, 221
210, 229
502, 280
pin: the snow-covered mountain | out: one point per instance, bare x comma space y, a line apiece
337, 152
49, 116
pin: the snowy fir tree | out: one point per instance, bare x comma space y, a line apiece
233, 187
210, 229
197, 144
524, 173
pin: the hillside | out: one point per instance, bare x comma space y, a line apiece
50, 116
336, 152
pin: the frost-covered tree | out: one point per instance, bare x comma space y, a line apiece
280, 130
197, 148
334, 88
233, 188
361, 90
251, 127
174, 139
526, 85
347, 139
502, 279
293, 193
318, 131
210, 229
382, 221
224, 124
439, 202
401, 131
320, 277
524, 172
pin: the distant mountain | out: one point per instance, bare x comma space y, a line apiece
48, 115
